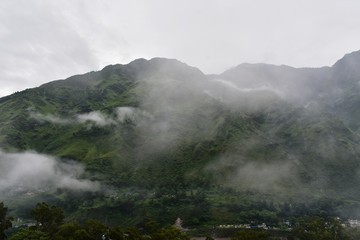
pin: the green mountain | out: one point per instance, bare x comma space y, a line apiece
158, 139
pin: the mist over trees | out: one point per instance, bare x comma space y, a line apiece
159, 139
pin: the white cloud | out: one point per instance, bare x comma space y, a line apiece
124, 112
33, 171
49, 118
96, 117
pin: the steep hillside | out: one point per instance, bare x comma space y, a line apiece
164, 140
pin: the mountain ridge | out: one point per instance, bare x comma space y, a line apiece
161, 130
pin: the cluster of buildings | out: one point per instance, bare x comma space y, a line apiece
353, 223
248, 226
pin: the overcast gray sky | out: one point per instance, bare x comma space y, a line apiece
43, 40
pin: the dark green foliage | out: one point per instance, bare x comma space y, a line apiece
70, 231
352, 233
186, 154
306, 228
30, 234
316, 228
48, 218
5, 221
169, 233
252, 235
90, 230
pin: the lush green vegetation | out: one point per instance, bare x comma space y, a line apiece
182, 152
5, 221
50, 224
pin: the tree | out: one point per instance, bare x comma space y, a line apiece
67, 231
116, 233
169, 234
5, 222
252, 235
48, 218
352, 233
317, 228
29, 234
95, 229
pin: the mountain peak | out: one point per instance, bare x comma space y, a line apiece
347, 68
349, 58
165, 66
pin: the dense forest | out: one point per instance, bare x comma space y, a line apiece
49, 223
159, 140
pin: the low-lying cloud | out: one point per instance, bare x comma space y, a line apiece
263, 176
29, 170
237, 172
49, 118
96, 118
124, 113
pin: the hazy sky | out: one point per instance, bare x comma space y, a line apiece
42, 40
